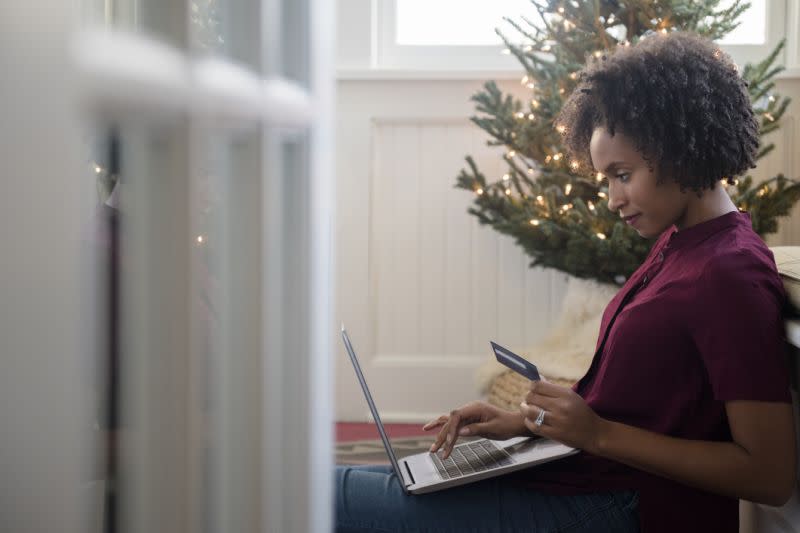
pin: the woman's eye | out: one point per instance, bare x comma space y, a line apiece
624, 177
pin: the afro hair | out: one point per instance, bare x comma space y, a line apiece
679, 97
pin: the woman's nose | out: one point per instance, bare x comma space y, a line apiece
616, 197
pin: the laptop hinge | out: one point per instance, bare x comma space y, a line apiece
410, 475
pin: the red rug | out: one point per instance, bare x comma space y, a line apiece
352, 431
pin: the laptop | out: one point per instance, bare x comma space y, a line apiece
469, 461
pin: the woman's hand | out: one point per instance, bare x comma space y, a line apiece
568, 419
475, 418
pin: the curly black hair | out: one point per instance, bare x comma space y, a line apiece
679, 97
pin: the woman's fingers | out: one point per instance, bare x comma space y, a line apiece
435, 423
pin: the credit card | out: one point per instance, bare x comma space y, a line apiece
515, 362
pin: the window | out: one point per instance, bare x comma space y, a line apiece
453, 35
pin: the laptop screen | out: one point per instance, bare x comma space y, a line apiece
372, 407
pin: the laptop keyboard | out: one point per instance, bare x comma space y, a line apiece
471, 457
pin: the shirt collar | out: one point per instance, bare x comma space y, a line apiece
699, 232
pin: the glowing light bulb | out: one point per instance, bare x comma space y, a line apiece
546, 48
506, 177
599, 176
574, 165
508, 192
524, 80
520, 115
561, 10
557, 157
200, 239
479, 191
540, 199
98, 169
601, 194
530, 85
591, 205
601, 236
561, 128
534, 222
567, 189
511, 153
530, 116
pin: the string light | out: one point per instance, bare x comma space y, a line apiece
535, 104
540, 199
98, 169
664, 31
561, 128
769, 117
601, 194
561, 91
574, 75
511, 153
601, 236
479, 191
599, 176
524, 80
530, 85
534, 222
520, 115
548, 158
574, 165
598, 53
546, 48
200, 239
771, 98
561, 10
508, 192
567, 189
530, 170
557, 156
591, 205
530, 116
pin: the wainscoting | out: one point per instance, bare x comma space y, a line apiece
420, 286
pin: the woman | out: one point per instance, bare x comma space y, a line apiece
686, 406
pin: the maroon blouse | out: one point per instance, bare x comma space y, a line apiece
698, 324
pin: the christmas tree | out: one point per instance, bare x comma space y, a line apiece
556, 209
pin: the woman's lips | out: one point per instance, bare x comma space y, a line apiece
632, 220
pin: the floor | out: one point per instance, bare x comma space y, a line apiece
352, 431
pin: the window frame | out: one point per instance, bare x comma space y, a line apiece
387, 55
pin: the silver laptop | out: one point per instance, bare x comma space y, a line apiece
469, 461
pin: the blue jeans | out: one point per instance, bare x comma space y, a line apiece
369, 498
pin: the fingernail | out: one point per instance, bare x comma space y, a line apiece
433, 447
464, 431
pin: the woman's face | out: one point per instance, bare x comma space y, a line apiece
632, 188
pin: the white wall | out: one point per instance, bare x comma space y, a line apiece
420, 286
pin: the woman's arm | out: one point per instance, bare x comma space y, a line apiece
759, 465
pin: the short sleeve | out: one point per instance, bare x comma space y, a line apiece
737, 327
